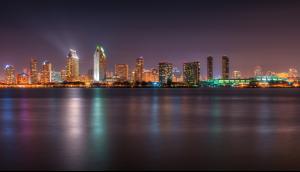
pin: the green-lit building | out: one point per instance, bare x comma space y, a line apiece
225, 82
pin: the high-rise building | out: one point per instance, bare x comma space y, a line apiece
165, 72
139, 68
237, 74
63, 75
33, 71
293, 73
100, 64
258, 71
225, 67
210, 72
23, 78
191, 73
46, 72
121, 71
10, 74
155, 75
72, 71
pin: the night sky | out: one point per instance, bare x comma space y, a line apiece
251, 33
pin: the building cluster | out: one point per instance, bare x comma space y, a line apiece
165, 74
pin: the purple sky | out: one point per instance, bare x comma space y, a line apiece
251, 33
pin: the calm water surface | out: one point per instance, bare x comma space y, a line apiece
94, 129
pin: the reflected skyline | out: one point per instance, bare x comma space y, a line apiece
149, 129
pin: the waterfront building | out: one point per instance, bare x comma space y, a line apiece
33, 71
139, 68
46, 72
23, 78
121, 71
237, 74
225, 67
10, 74
210, 74
165, 72
100, 65
72, 70
191, 73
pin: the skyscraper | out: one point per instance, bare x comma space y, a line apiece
139, 68
100, 65
72, 70
165, 72
225, 67
121, 71
33, 71
10, 77
210, 74
191, 73
46, 72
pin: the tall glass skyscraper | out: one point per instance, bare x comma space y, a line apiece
100, 65
165, 72
139, 68
210, 72
191, 73
225, 67
46, 72
10, 77
72, 71
33, 71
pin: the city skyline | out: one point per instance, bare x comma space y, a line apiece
71, 72
198, 30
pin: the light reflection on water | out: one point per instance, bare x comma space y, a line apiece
94, 129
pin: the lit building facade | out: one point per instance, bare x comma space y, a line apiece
150, 75
72, 70
165, 72
121, 71
46, 72
225, 67
139, 68
236, 74
10, 77
100, 65
34, 71
293, 73
23, 78
191, 73
56, 77
210, 72
63, 75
